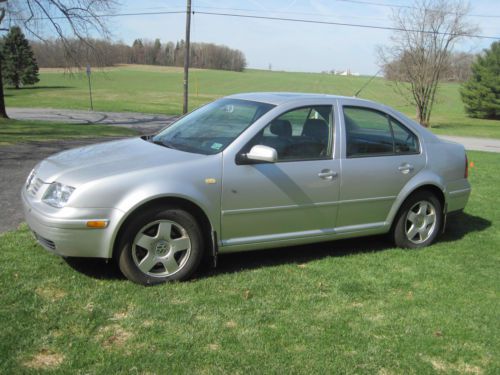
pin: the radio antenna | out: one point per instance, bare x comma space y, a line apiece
367, 83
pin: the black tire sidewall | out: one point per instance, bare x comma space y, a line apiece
183, 218
399, 234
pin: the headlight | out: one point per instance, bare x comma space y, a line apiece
31, 178
57, 195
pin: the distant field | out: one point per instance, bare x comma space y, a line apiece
159, 90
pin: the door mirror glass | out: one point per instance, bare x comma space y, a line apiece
262, 153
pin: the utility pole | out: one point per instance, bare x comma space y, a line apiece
186, 57
90, 88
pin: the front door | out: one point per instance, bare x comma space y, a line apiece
294, 197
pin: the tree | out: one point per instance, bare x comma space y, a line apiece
19, 64
428, 32
481, 93
68, 19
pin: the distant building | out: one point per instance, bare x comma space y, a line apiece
346, 72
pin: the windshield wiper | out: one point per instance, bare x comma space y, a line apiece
164, 144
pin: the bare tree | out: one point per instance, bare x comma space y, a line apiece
67, 19
429, 31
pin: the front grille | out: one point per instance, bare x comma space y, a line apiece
48, 244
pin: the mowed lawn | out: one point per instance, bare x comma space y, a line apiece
355, 306
159, 90
14, 131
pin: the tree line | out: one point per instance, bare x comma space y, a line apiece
456, 67
53, 54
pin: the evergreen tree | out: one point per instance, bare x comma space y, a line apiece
19, 64
481, 93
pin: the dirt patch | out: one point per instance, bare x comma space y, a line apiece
113, 336
461, 367
45, 360
124, 314
231, 324
50, 293
213, 347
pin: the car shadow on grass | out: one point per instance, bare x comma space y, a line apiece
95, 268
458, 226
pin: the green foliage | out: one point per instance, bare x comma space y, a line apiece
347, 307
481, 93
19, 64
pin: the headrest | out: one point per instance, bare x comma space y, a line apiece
316, 128
281, 128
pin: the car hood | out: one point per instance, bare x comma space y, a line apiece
80, 165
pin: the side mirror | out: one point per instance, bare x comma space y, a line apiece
262, 153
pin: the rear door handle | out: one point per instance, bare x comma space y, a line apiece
327, 174
405, 168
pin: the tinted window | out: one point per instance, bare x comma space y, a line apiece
373, 133
301, 134
405, 142
367, 132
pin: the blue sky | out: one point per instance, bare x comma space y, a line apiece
287, 45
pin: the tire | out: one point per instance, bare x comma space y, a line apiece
419, 221
160, 245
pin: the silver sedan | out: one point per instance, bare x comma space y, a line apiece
249, 171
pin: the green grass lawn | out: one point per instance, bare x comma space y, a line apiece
159, 90
357, 306
13, 131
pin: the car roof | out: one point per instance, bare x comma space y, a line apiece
278, 98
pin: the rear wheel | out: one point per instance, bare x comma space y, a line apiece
160, 245
419, 221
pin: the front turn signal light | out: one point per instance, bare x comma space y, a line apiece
99, 224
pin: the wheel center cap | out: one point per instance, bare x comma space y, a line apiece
162, 247
420, 221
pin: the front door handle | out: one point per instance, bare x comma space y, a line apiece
405, 168
327, 174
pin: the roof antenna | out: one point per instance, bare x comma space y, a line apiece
367, 83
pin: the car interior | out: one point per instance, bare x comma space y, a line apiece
306, 138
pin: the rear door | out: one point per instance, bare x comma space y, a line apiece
380, 155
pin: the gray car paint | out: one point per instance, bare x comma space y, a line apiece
249, 206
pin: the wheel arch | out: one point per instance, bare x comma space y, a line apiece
175, 202
433, 188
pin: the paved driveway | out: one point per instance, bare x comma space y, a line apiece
143, 122
16, 161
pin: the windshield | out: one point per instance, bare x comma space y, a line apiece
211, 128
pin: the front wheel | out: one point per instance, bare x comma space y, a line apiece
419, 221
159, 245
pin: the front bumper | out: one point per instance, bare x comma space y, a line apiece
64, 231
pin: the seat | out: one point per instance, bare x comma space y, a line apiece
282, 129
314, 140
317, 129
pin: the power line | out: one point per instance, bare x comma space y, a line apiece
343, 24
392, 5
301, 20
109, 15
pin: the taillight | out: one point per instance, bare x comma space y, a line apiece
466, 173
